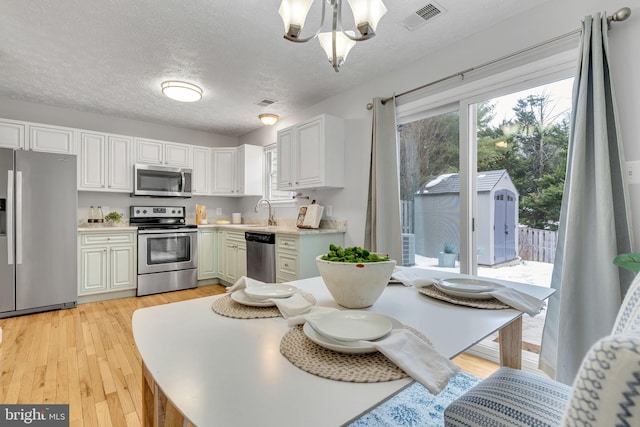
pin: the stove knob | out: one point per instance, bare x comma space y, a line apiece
144, 211
137, 211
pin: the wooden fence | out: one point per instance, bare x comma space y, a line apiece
537, 245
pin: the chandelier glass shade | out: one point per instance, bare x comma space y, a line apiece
337, 42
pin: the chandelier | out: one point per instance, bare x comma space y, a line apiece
336, 43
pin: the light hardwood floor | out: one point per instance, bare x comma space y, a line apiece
86, 357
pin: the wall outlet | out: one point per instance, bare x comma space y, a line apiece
633, 171
329, 210
218, 211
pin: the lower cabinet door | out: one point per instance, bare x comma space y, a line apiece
94, 271
122, 260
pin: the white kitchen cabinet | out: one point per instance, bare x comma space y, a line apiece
12, 134
311, 154
52, 139
223, 162
232, 256
155, 152
207, 253
201, 178
238, 171
249, 170
296, 254
105, 162
107, 262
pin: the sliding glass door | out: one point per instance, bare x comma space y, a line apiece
430, 190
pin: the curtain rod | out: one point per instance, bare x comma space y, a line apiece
619, 16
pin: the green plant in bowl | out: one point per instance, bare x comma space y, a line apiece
354, 276
113, 217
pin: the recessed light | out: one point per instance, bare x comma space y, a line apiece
181, 91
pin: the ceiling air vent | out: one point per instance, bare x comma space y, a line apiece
421, 16
265, 102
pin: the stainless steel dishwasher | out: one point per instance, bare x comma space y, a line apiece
261, 256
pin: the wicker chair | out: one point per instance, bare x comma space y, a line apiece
606, 391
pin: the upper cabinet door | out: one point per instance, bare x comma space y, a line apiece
52, 139
120, 166
149, 151
92, 161
178, 155
224, 170
201, 178
12, 134
309, 156
286, 153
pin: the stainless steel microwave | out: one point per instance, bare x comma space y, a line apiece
161, 181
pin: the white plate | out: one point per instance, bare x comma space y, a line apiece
466, 285
353, 347
270, 291
240, 297
470, 295
353, 325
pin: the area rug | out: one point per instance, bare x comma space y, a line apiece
415, 406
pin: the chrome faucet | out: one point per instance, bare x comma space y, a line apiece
270, 221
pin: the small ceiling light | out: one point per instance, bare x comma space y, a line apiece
181, 91
268, 119
337, 42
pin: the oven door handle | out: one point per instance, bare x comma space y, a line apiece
178, 232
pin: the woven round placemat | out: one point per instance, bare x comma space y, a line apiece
325, 363
491, 304
225, 306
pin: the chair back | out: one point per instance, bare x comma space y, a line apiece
606, 391
628, 319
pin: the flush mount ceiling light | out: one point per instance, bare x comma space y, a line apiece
336, 43
181, 91
268, 119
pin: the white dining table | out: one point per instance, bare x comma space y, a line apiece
207, 369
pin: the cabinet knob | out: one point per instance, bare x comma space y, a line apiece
286, 265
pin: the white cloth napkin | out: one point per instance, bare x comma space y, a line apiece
294, 305
512, 297
244, 282
417, 358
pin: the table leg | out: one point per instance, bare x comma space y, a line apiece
511, 344
157, 410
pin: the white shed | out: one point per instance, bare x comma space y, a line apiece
437, 216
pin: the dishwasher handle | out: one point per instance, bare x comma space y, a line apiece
266, 238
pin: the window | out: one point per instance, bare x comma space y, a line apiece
271, 177
482, 164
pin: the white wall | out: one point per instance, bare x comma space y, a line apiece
550, 20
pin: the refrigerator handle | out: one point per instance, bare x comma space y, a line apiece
10, 217
18, 217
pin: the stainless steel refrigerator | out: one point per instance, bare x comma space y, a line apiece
38, 229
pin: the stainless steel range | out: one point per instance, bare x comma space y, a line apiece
167, 249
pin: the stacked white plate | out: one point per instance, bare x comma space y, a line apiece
466, 288
261, 296
349, 331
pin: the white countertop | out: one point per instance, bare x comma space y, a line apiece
229, 372
272, 229
106, 228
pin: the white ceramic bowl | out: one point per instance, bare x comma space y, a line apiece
355, 285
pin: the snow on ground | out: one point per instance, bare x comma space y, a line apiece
530, 272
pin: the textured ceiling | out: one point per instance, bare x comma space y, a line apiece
110, 56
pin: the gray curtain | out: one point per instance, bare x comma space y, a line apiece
383, 230
595, 223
